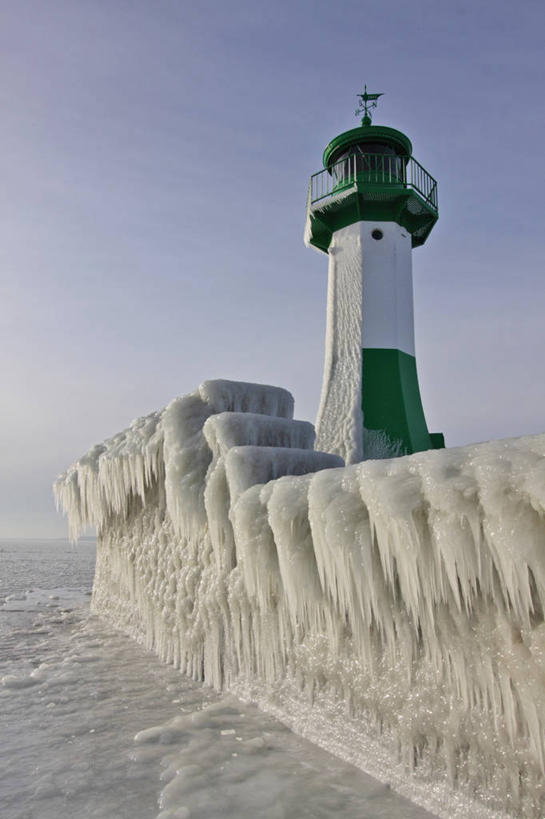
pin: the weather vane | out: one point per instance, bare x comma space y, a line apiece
367, 102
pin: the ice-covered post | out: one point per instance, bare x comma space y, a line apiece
367, 209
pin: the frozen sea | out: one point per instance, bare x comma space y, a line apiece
92, 725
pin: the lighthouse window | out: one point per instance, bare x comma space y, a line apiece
375, 162
377, 234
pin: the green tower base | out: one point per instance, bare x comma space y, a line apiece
391, 402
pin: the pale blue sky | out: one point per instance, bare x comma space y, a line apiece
155, 159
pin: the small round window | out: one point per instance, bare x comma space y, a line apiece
377, 234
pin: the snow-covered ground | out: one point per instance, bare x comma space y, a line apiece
93, 725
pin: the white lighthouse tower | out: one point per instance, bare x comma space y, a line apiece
367, 209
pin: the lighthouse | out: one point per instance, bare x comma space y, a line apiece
367, 209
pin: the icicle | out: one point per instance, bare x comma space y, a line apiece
407, 592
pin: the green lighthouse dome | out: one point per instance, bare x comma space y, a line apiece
373, 139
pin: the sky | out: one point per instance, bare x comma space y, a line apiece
155, 160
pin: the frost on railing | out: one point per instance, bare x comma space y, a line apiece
373, 169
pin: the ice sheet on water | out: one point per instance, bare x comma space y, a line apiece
100, 729
408, 591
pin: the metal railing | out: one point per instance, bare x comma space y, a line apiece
373, 169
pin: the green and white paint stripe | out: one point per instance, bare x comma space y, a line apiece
370, 404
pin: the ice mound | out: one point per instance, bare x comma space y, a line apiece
249, 465
406, 596
238, 396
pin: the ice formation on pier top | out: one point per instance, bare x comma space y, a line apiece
407, 592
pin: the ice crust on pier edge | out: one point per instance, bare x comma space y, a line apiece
410, 592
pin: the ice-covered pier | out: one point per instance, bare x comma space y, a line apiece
399, 601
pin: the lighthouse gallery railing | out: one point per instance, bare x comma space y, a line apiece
373, 169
